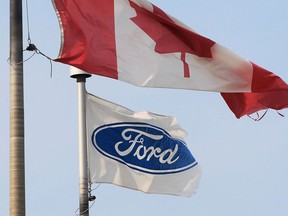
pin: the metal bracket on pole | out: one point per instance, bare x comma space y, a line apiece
82, 140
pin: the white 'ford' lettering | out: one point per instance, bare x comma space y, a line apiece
143, 152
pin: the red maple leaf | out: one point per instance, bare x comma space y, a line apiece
169, 36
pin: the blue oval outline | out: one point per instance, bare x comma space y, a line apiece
134, 166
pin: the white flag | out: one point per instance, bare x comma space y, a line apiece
138, 150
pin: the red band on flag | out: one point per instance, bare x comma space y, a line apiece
76, 30
266, 80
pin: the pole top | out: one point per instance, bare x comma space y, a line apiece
76, 73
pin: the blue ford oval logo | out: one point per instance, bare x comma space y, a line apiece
143, 147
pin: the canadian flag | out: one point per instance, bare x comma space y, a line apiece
136, 42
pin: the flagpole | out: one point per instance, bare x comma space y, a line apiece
17, 159
82, 141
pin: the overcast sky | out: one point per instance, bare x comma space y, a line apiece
243, 162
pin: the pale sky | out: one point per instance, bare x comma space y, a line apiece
243, 162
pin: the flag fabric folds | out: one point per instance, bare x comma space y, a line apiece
136, 42
138, 150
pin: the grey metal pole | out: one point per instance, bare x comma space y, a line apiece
82, 141
17, 160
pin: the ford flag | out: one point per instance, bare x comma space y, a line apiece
138, 150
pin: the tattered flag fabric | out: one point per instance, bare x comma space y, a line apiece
138, 150
136, 42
